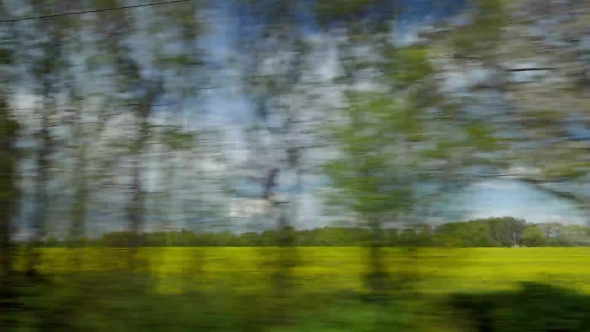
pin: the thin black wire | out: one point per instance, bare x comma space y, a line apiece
92, 11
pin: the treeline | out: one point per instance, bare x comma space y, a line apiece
491, 232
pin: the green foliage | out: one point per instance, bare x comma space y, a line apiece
533, 237
483, 233
569, 171
177, 139
475, 233
482, 138
329, 11
369, 171
407, 65
181, 60
97, 61
482, 36
52, 241
8, 154
5, 56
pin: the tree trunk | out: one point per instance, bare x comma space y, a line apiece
9, 198
377, 277
79, 207
41, 194
137, 203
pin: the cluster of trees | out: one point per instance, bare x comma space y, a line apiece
509, 232
107, 88
490, 232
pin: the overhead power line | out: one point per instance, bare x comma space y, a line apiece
92, 11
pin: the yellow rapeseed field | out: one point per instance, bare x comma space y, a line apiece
340, 268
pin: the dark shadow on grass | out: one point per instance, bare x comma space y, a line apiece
535, 307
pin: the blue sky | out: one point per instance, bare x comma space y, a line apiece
505, 197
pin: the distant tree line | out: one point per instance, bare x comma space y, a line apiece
490, 232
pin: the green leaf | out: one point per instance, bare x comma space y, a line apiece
96, 61
5, 56
571, 171
481, 137
409, 65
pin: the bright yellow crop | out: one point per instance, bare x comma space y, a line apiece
332, 268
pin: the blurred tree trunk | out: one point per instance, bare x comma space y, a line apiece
136, 208
9, 175
46, 70
141, 93
9, 200
79, 206
283, 104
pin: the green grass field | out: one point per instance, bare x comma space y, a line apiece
229, 289
340, 268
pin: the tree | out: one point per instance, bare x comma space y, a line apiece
282, 123
79, 207
535, 57
366, 175
507, 230
9, 199
533, 236
51, 242
143, 90
515, 228
9, 175
48, 38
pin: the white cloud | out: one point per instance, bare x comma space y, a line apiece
495, 185
407, 38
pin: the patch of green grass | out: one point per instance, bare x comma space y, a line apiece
127, 303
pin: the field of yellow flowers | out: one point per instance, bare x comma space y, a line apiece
341, 268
